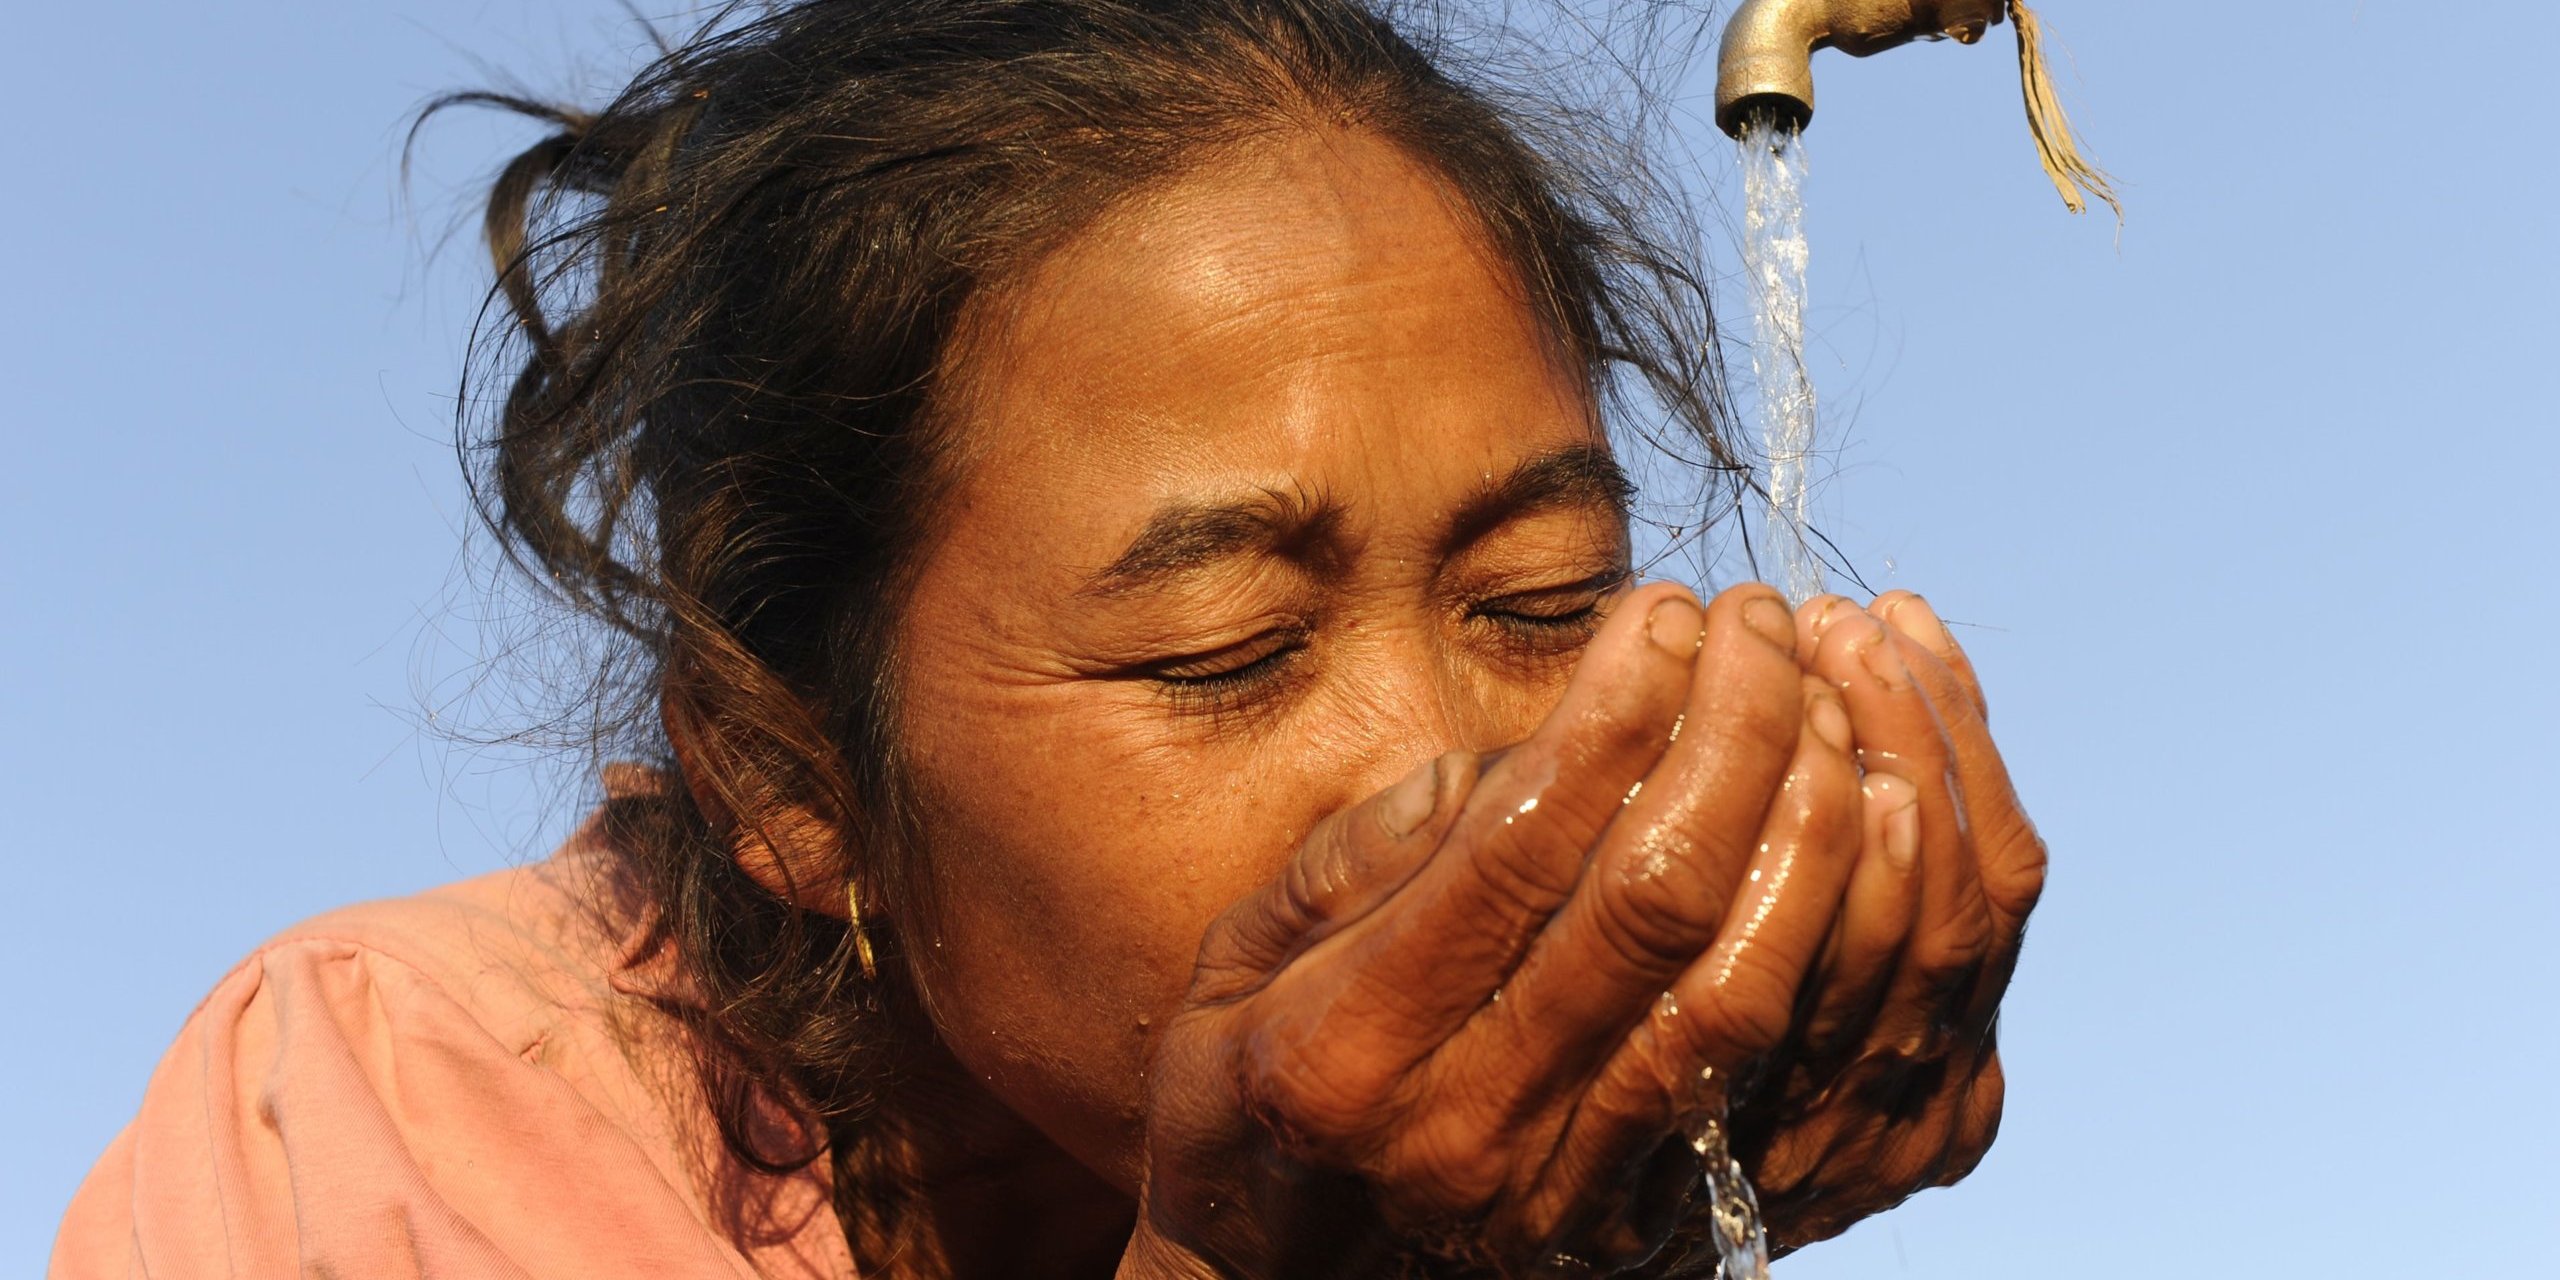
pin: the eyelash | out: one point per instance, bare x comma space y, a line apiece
1232, 688
1548, 627
1229, 687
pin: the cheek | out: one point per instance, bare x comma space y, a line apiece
1506, 699
1081, 838
1075, 860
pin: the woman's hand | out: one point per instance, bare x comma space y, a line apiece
1469, 1018
1890, 1080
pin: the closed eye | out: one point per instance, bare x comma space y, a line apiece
1223, 676
1574, 604
1553, 619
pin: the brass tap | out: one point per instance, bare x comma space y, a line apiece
1766, 69
1767, 63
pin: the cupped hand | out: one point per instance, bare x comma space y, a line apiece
1469, 1018
1889, 1080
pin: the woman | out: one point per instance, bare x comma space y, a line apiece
1161, 765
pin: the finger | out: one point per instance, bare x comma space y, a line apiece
1876, 916
1665, 872
2008, 852
1738, 1000
1814, 618
1909, 613
1898, 730
1977, 1122
1352, 861
1735, 1002
1512, 853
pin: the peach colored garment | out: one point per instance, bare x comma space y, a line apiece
453, 1086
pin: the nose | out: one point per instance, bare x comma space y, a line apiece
1422, 702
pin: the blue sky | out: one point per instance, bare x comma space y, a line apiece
2248, 514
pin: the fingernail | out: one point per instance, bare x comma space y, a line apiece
1678, 626
1771, 619
1830, 720
1408, 804
1901, 822
1830, 606
1920, 622
1883, 661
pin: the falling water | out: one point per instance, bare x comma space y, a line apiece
1774, 256
1733, 1211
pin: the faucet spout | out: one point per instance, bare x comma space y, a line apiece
1767, 62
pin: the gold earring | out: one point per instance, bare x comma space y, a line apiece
861, 939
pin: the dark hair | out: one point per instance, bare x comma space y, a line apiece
729, 307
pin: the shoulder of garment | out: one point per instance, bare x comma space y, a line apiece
467, 1083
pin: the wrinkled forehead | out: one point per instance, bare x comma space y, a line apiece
1320, 313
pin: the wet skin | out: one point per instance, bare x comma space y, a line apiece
1273, 511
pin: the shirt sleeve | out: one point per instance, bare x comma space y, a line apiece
331, 1111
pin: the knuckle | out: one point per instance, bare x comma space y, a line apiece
1659, 910
1446, 1164
1518, 876
1315, 1087
2015, 876
1530, 843
1622, 1102
1574, 810
1630, 723
1753, 1003
1332, 847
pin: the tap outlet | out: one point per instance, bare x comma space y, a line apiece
1766, 67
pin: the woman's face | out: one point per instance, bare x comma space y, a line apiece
1271, 489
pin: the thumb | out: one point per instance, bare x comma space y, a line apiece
1354, 860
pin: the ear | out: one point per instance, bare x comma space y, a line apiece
787, 849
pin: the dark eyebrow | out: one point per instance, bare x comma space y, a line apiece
1188, 535
1575, 476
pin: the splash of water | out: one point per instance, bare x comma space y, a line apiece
1733, 1211
1775, 255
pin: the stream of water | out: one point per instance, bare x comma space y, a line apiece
1774, 258
1733, 1212
1775, 255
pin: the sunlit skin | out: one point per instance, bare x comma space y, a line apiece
1269, 493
